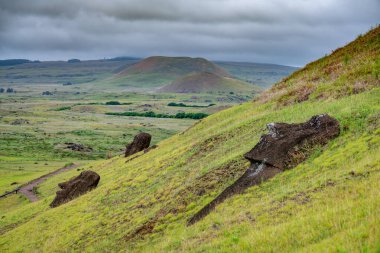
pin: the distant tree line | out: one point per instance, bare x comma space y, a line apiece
47, 93
116, 103
8, 90
150, 114
63, 108
73, 61
12, 62
184, 105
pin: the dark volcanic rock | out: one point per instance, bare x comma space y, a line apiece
20, 122
276, 152
77, 147
140, 142
277, 147
86, 181
47, 93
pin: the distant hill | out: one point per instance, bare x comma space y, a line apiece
122, 71
174, 65
158, 71
12, 62
204, 82
25, 71
260, 74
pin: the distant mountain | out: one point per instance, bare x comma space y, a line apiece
11, 62
158, 71
124, 58
174, 65
260, 74
204, 82
25, 71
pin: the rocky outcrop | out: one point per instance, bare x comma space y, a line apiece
20, 122
283, 148
140, 142
77, 147
279, 148
86, 181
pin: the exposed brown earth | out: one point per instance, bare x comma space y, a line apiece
27, 189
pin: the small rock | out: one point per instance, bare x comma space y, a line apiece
77, 147
20, 122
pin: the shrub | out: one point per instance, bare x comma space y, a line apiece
184, 105
150, 114
116, 103
63, 108
113, 103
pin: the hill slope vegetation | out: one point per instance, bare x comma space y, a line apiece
158, 71
204, 82
329, 203
181, 75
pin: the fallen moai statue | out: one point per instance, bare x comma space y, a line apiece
86, 181
140, 142
277, 151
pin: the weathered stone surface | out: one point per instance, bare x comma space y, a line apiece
277, 147
86, 181
20, 122
140, 142
276, 152
77, 147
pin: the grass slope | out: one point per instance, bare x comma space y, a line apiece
329, 203
206, 82
348, 70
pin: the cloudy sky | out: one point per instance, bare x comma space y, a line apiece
291, 32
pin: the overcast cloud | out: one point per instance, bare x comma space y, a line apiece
290, 32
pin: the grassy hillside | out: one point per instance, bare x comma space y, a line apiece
348, 70
329, 203
175, 65
36, 128
206, 82
158, 71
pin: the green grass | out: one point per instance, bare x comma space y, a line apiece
329, 203
17, 171
26, 148
348, 70
33, 149
318, 206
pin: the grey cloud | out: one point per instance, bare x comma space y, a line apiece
288, 32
